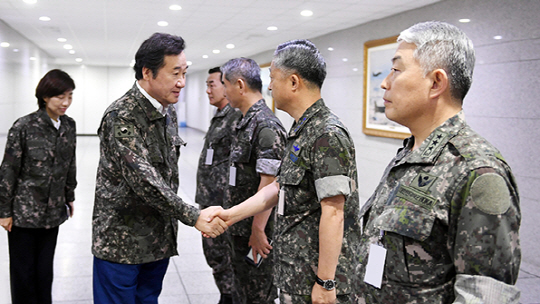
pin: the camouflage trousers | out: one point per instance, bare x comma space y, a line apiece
254, 285
285, 298
218, 257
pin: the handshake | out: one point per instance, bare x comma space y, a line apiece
213, 221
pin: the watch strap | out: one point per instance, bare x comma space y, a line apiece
323, 283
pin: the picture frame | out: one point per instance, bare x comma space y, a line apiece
377, 64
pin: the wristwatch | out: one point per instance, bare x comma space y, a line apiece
327, 284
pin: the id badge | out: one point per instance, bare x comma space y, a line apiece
281, 202
209, 156
232, 176
375, 265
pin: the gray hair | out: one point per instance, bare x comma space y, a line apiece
440, 45
243, 68
301, 57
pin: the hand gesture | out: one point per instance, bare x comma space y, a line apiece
70, 207
259, 243
209, 224
319, 295
6, 223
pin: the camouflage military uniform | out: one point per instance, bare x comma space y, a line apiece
136, 207
257, 148
212, 179
319, 163
38, 173
450, 216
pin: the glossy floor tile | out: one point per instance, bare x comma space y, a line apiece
188, 278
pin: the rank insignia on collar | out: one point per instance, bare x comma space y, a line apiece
121, 131
436, 141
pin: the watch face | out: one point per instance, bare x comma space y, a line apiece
329, 284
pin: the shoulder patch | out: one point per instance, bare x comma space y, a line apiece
267, 137
489, 193
124, 130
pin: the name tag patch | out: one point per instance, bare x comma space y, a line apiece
417, 197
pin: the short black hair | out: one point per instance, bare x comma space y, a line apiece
54, 83
152, 52
216, 70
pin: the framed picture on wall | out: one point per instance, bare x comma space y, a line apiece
377, 64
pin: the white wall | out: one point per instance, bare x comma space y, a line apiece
96, 88
19, 76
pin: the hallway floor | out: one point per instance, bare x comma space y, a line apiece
188, 278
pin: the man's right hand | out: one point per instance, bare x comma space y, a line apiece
210, 225
6, 223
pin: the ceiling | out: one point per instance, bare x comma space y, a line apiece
109, 32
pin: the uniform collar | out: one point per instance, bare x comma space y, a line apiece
159, 107
431, 148
43, 116
255, 108
224, 111
144, 101
310, 112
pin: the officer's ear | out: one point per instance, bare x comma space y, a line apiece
294, 81
241, 85
440, 82
147, 73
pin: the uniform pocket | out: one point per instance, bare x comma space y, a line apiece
406, 218
39, 155
291, 175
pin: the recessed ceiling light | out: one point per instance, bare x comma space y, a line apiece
33, 58
163, 23
216, 51
61, 39
272, 28
44, 18
72, 52
330, 49
175, 7
4, 44
204, 56
498, 37
306, 13
345, 59
464, 20
355, 69
78, 59
68, 46
30, 1
189, 63
230, 46
16, 50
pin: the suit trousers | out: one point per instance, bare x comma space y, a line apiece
128, 283
31, 255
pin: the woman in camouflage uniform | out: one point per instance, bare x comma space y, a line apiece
37, 183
